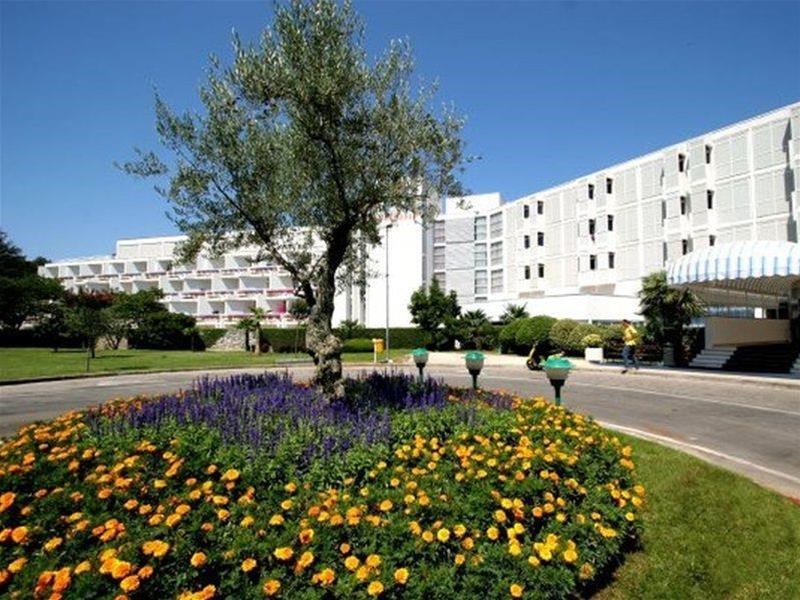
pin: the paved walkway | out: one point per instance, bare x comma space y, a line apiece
739, 423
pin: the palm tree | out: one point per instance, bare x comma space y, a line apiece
259, 314
667, 311
474, 326
513, 312
247, 324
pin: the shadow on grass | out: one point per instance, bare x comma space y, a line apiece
606, 577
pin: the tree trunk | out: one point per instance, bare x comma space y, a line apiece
323, 346
258, 341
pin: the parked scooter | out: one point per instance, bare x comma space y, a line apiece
539, 352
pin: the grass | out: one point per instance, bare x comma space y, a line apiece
708, 534
29, 363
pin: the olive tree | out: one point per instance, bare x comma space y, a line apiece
302, 147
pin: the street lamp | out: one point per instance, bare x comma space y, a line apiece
557, 370
388, 227
474, 361
420, 359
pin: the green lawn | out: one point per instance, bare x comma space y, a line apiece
26, 363
708, 534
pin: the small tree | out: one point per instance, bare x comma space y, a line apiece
513, 312
246, 324
299, 311
86, 317
667, 311
349, 329
436, 313
475, 329
258, 315
303, 148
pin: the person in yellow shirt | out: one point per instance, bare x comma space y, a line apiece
630, 337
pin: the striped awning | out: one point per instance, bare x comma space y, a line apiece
748, 271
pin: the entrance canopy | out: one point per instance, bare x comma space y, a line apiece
760, 274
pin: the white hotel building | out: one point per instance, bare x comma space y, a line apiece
576, 250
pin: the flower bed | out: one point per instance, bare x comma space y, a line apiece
252, 486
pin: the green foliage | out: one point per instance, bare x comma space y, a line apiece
667, 311
532, 331
593, 340
507, 337
357, 345
576, 336
436, 313
128, 311
210, 336
85, 316
165, 331
560, 333
475, 330
612, 338
513, 312
349, 329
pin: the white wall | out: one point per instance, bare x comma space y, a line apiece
728, 331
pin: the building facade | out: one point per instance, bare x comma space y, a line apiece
577, 250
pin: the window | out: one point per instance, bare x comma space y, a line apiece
663, 210
540, 270
540, 238
664, 252
539, 207
479, 228
527, 241
611, 258
681, 163
684, 247
480, 255
591, 191
527, 272
526, 211
497, 281
592, 228
438, 258
609, 185
710, 199
438, 232
610, 220
592, 262
497, 253
712, 239
481, 283
684, 205
708, 155
496, 225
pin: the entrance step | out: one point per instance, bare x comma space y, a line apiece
712, 358
763, 358
796, 367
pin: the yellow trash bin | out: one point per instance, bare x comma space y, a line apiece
377, 348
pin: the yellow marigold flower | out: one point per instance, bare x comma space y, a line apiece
467, 543
287, 504
247, 521
5, 575
198, 559
219, 500
344, 548
131, 504
386, 505
373, 561
155, 520
276, 520
459, 559
586, 571
271, 587
17, 565
230, 475
306, 558
415, 528
533, 561
459, 530
53, 543
6, 500
514, 549
630, 516
223, 514
443, 534
515, 590
427, 536
290, 487
362, 574
121, 569
129, 584
182, 509
500, 516
375, 588
283, 553
248, 564
173, 520
401, 576
492, 533
570, 556
306, 536
351, 563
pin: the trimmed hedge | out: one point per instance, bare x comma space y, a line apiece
279, 339
285, 339
357, 345
36, 338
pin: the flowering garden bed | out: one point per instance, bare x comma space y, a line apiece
252, 486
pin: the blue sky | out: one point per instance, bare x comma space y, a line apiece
551, 90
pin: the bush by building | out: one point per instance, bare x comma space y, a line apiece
560, 333
532, 331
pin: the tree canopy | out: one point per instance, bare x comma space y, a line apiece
436, 313
303, 147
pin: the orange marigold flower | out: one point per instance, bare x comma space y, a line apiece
19, 534
248, 564
306, 558
283, 553
344, 547
325, 577
145, 572
6, 500
121, 569
5, 576
198, 559
306, 536
129, 584
272, 587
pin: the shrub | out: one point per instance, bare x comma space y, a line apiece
576, 336
612, 338
593, 340
357, 345
210, 336
289, 339
560, 332
532, 331
507, 338
349, 329
256, 470
165, 331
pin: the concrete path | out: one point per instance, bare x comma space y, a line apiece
742, 423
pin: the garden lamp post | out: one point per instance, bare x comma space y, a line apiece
557, 369
420, 359
474, 361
